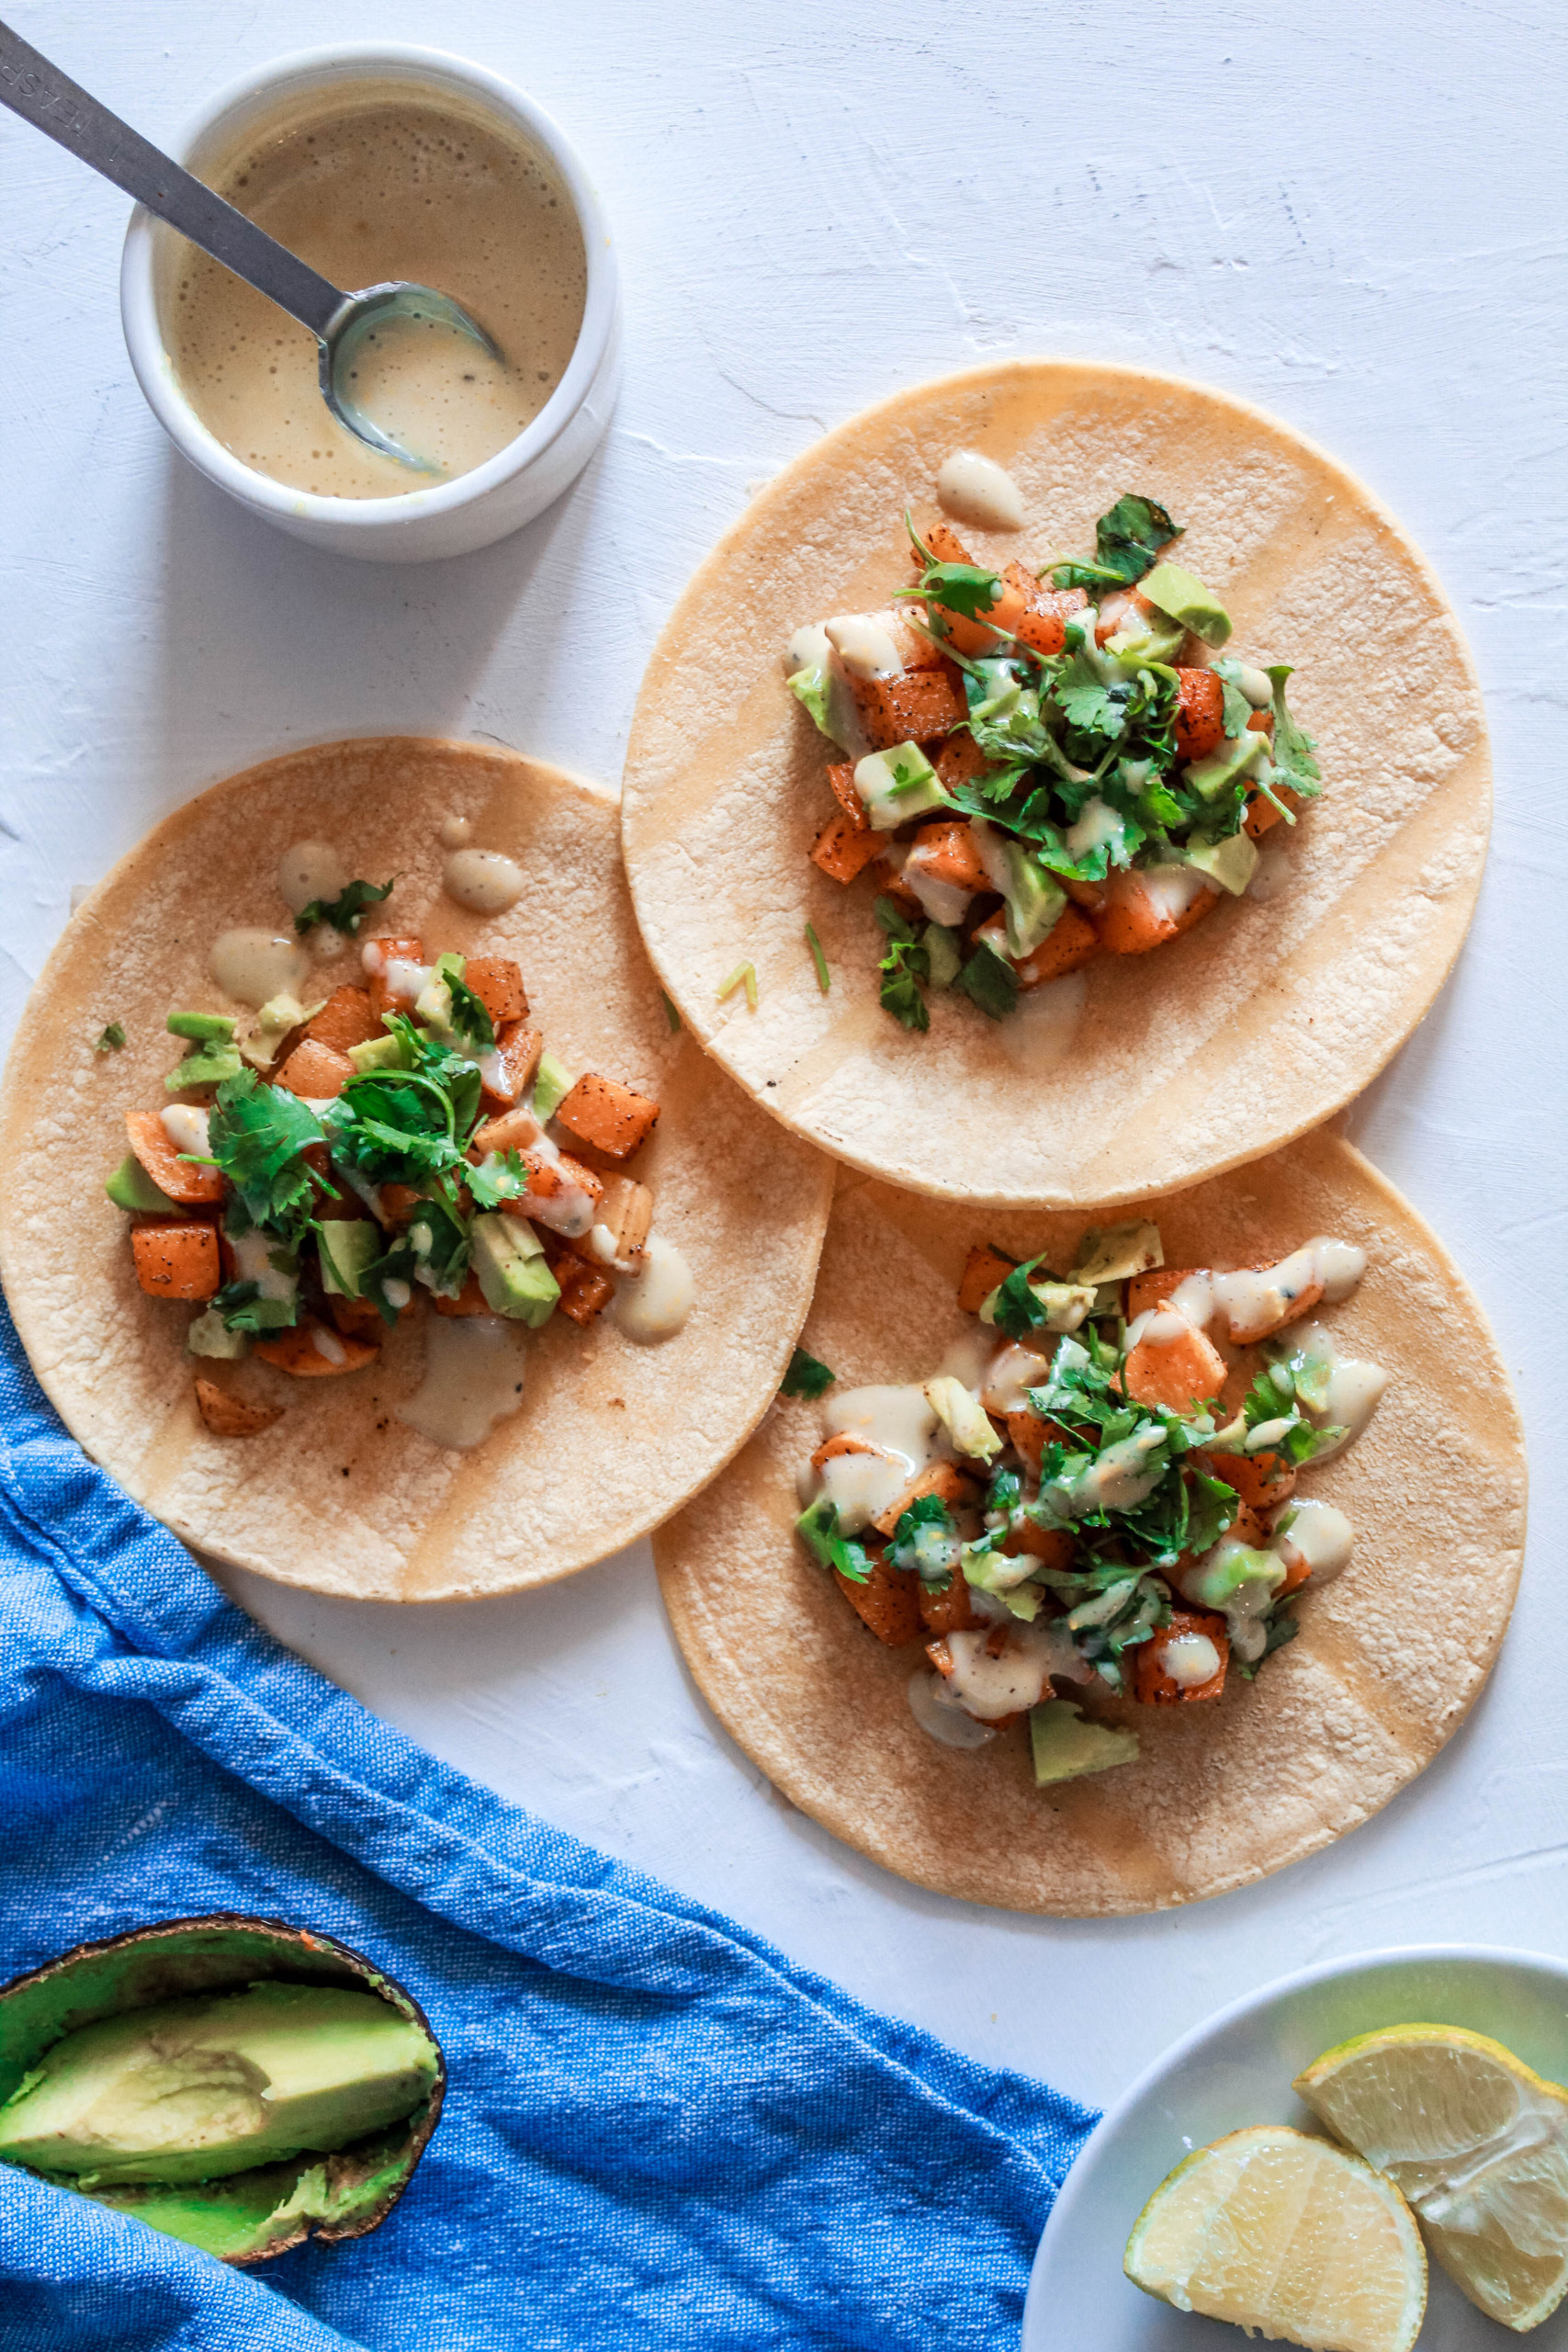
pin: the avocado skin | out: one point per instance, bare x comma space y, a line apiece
251, 2217
194, 2090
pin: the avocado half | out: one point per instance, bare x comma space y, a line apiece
249, 2216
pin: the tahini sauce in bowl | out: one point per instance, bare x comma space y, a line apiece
396, 184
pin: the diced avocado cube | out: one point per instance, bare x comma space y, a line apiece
817, 1527
1232, 863
207, 1065
347, 1246
1237, 756
209, 1336
552, 1083
1115, 1252
201, 1025
941, 946
1035, 899
1066, 1745
378, 1053
1186, 599
896, 785
1214, 1581
965, 1421
450, 967
131, 1187
1141, 642
509, 1259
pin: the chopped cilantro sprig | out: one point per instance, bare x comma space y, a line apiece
346, 911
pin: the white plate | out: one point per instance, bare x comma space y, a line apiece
1237, 2069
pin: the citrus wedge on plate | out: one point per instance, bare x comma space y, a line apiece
1476, 2142
1274, 2231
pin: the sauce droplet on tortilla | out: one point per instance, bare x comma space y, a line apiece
308, 870
454, 832
473, 1378
655, 1304
253, 966
482, 880
974, 489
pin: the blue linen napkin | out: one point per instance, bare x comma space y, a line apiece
658, 2132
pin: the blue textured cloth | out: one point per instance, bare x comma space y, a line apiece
657, 2131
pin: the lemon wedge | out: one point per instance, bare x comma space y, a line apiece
1477, 2143
1275, 2231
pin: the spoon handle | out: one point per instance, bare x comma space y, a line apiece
44, 96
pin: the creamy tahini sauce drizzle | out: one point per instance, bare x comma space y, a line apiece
974, 489
1318, 1536
403, 980
482, 880
940, 1712
898, 1424
473, 1378
1190, 1660
989, 1686
454, 832
864, 645
654, 1304
253, 966
308, 870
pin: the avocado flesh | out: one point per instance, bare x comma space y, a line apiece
346, 1246
552, 1083
1066, 1745
195, 2090
131, 1188
1184, 596
509, 1259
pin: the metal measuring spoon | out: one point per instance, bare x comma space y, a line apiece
33, 89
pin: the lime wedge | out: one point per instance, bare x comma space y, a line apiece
1478, 2143
1274, 2231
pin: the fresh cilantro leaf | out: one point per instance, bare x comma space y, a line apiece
990, 982
893, 920
470, 1016
398, 1264
925, 1543
967, 588
807, 1375
1281, 1627
439, 1238
926, 1510
1085, 700
906, 963
345, 912
499, 1177
1294, 747
1237, 709
259, 1136
1016, 1309
109, 1040
242, 1308
1128, 539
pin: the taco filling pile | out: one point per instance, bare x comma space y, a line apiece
1100, 1490
1038, 770
333, 1168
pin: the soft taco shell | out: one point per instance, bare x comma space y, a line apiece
341, 1496
1142, 1073
1388, 1659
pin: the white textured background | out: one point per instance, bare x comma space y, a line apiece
1352, 214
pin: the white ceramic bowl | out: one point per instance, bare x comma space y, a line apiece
1237, 2069
509, 488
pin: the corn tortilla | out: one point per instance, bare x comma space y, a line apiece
1141, 1073
1388, 1659
341, 1496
